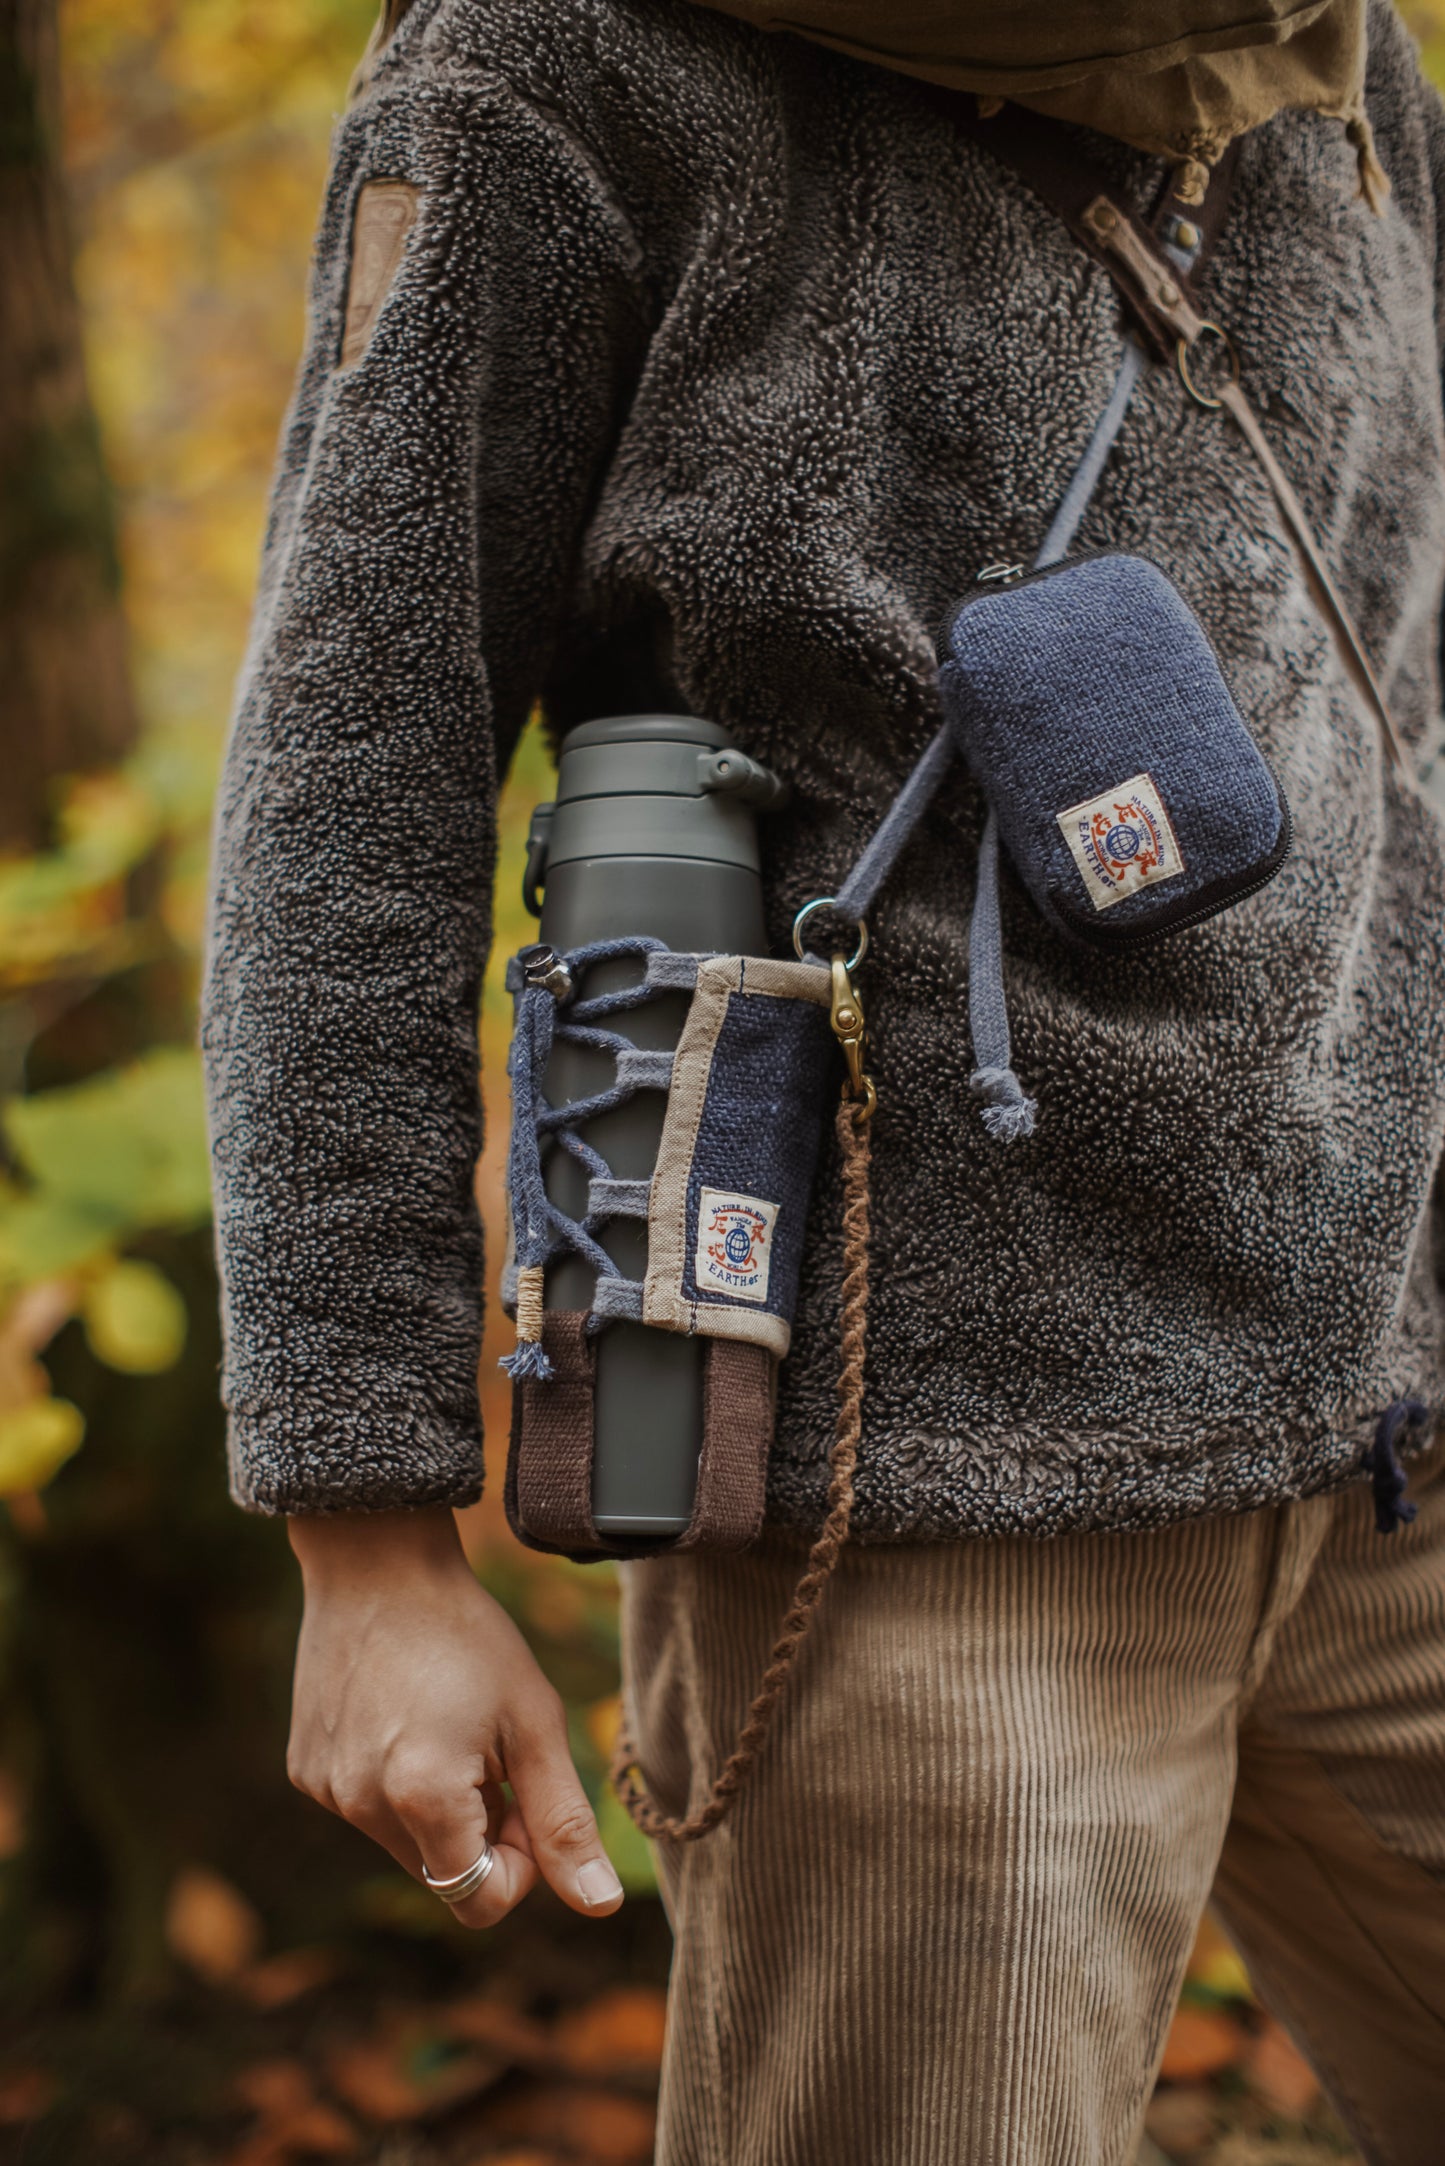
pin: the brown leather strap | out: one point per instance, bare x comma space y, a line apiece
1326, 595
1180, 327
1047, 159
1206, 217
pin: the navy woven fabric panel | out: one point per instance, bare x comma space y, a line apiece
771, 1079
1130, 795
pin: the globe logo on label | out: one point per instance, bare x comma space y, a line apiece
734, 1247
1122, 840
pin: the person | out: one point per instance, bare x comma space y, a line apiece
665, 359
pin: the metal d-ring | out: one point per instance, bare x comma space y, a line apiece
1181, 362
828, 902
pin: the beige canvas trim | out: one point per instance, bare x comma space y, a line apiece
385, 214
720, 979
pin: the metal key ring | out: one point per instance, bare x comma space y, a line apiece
828, 902
1181, 362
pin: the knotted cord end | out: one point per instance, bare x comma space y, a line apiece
528, 1360
1006, 1112
529, 1357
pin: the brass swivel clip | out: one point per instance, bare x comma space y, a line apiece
851, 1030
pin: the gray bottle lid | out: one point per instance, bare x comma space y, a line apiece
631, 786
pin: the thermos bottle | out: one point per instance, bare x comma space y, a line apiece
653, 831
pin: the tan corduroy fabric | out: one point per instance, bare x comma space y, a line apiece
949, 1919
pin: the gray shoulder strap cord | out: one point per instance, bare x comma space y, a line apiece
1152, 272
1006, 1111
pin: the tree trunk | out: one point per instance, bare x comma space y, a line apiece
65, 695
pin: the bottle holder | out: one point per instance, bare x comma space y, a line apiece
725, 1208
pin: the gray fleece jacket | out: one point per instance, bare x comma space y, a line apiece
714, 367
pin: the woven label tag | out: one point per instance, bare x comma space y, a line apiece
734, 1245
1122, 841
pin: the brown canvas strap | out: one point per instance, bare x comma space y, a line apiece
1046, 158
549, 1466
1164, 306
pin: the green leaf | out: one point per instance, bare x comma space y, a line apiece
36, 1439
43, 1236
130, 1143
134, 1318
109, 821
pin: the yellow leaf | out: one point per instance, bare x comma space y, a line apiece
28, 1323
35, 1441
1223, 1974
134, 1319
604, 1720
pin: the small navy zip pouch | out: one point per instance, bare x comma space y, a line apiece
1128, 792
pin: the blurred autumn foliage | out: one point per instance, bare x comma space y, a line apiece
193, 1963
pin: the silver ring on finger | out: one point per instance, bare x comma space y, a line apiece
457, 1889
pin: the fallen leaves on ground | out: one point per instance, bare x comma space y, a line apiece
1279, 2072
619, 2032
1234, 2089
281, 1979
210, 1926
292, 2122
410, 2067
585, 2122
377, 2059
1183, 2120
25, 2093
1201, 2042
484, 2080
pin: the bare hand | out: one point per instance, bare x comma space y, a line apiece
416, 1697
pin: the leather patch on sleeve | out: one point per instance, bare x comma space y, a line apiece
385, 214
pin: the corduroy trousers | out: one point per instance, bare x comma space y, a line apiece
947, 1922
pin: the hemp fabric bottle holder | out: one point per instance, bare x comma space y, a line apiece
725, 1210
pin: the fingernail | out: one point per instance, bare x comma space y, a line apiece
597, 1883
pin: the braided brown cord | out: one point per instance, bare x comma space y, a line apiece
853, 1136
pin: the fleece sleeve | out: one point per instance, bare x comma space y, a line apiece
447, 435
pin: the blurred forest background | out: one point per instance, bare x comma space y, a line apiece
196, 1965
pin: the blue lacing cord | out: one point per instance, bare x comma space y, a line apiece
1388, 1478
541, 1230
